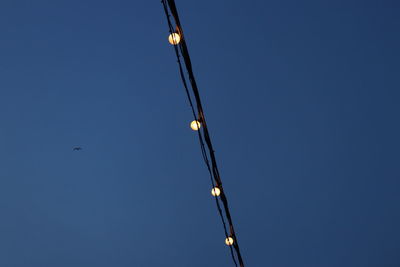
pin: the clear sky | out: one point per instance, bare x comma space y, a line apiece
302, 102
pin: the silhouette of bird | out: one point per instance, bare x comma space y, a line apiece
77, 148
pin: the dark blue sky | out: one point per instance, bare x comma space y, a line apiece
301, 98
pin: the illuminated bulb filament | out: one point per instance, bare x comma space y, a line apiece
195, 125
174, 38
215, 191
229, 241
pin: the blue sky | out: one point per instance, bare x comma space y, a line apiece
301, 99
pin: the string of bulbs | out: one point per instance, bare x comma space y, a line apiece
176, 38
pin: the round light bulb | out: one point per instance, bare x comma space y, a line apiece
195, 125
229, 241
174, 38
215, 191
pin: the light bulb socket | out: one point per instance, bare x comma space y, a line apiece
178, 31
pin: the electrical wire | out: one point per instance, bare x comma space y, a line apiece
204, 139
204, 153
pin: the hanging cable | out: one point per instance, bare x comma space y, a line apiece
203, 150
178, 40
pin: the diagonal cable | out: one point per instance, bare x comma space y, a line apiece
183, 52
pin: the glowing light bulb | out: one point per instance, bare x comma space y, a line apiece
229, 241
195, 125
174, 38
215, 191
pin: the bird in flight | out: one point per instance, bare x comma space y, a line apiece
77, 148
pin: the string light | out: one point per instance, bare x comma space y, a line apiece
195, 125
215, 191
182, 55
174, 38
